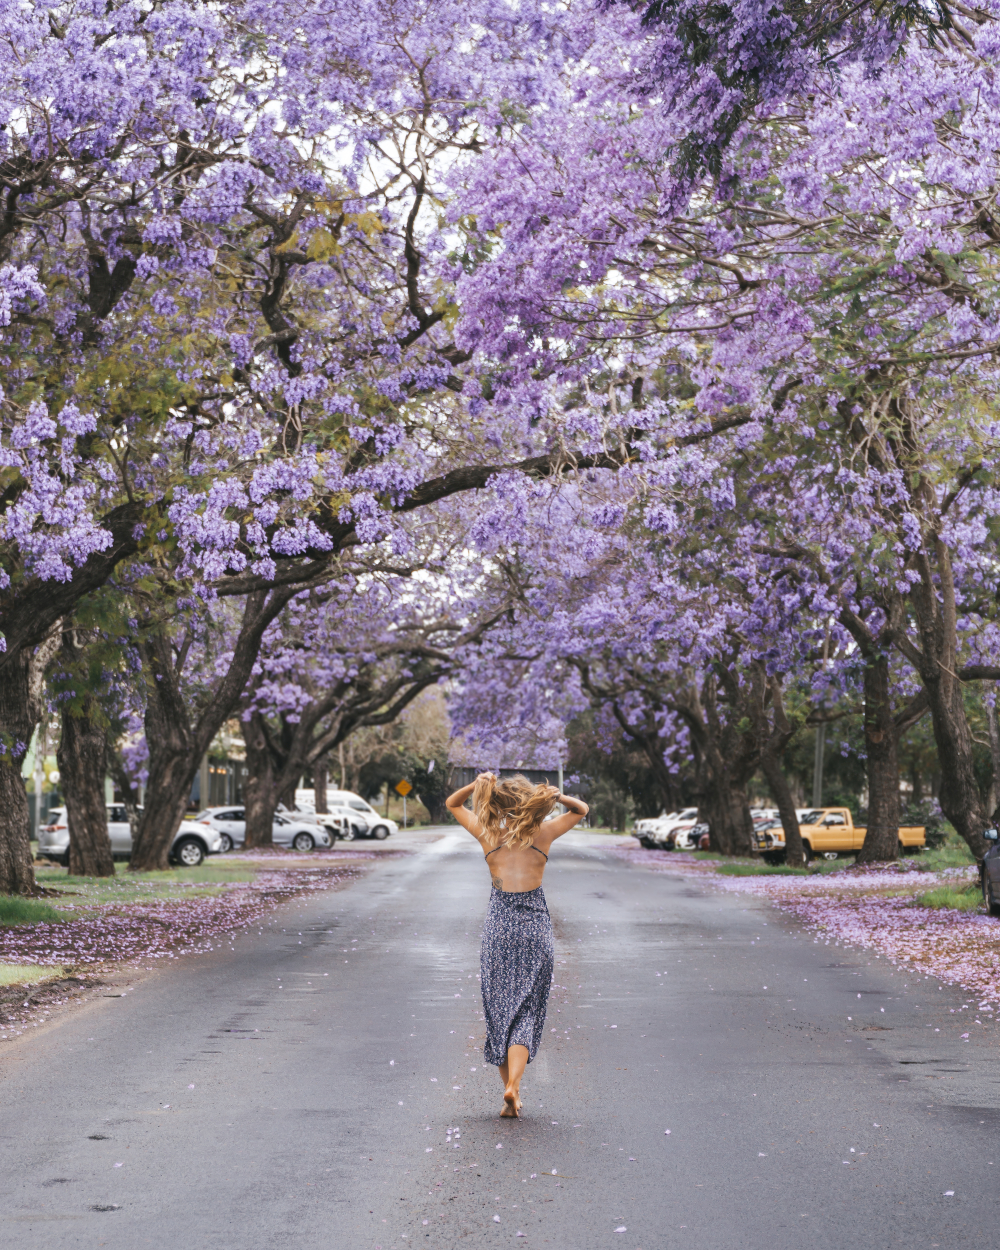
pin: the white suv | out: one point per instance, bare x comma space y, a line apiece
365, 820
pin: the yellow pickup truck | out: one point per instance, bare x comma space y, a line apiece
830, 831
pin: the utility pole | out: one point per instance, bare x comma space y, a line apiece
818, 765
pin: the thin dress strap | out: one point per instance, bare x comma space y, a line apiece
531, 847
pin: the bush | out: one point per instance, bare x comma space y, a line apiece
928, 814
14, 909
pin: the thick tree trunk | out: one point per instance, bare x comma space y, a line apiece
81, 757
21, 678
260, 797
774, 735
17, 876
726, 807
320, 775
881, 744
959, 793
770, 766
937, 621
993, 801
173, 760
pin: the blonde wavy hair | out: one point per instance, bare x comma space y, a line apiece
511, 810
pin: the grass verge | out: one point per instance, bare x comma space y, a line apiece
17, 910
143, 887
761, 870
953, 853
19, 974
967, 898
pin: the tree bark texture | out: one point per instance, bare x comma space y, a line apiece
321, 775
260, 799
21, 680
774, 735
81, 757
881, 745
936, 612
993, 722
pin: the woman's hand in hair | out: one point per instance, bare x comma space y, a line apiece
574, 805
455, 803
457, 799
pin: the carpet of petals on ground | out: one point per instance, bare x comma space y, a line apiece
165, 928
872, 909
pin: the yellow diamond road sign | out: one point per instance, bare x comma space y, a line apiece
404, 788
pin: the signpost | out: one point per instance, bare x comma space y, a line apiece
403, 787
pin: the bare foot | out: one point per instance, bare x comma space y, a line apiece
511, 1104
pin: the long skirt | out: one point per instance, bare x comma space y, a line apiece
517, 959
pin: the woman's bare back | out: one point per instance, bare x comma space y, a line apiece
516, 869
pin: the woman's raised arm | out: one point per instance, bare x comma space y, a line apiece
558, 825
455, 803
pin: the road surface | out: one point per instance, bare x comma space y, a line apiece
707, 1081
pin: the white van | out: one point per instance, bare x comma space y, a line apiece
362, 813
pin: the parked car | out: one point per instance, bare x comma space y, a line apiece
376, 826
190, 845
682, 836
337, 823
826, 831
769, 839
670, 828
230, 824
832, 830
655, 833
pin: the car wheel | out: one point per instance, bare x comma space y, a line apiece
303, 842
225, 843
807, 852
189, 852
64, 858
380, 832
992, 906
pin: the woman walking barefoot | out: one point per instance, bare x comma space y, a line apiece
517, 952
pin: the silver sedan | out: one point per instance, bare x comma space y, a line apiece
230, 824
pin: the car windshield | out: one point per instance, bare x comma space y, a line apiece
359, 806
810, 818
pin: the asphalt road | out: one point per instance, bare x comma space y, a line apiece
322, 1085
